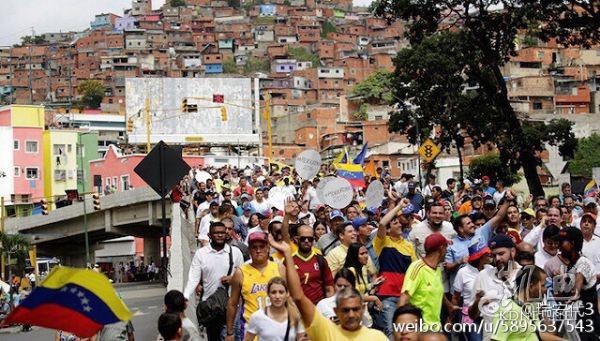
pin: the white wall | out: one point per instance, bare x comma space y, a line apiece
7, 183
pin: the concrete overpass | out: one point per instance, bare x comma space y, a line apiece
61, 233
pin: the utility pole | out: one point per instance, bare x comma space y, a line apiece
268, 119
2, 217
85, 224
10, 72
30, 80
147, 125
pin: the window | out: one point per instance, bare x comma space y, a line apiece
31, 173
69, 148
537, 105
31, 146
114, 182
107, 182
17, 171
16, 144
385, 163
125, 182
378, 117
60, 175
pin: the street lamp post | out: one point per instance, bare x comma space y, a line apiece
85, 225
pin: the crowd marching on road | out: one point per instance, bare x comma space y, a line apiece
472, 261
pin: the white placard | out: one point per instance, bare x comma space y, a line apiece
202, 176
374, 195
278, 196
308, 164
338, 193
596, 175
321, 187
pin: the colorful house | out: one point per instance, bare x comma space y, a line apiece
87, 150
60, 164
21, 169
115, 172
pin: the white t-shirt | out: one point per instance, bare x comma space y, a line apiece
261, 207
498, 196
591, 250
534, 237
204, 227
541, 257
311, 196
464, 282
267, 329
205, 205
421, 231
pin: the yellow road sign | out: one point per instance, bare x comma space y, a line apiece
194, 139
429, 150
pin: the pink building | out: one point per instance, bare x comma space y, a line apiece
116, 170
21, 183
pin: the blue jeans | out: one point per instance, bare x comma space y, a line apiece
385, 319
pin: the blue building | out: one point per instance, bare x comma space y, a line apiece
268, 10
104, 20
213, 68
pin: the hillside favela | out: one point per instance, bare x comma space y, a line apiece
299, 170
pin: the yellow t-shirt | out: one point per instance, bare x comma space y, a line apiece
363, 285
514, 323
424, 286
322, 329
337, 257
254, 287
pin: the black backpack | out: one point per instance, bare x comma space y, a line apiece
214, 309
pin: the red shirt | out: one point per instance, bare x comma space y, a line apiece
311, 278
239, 190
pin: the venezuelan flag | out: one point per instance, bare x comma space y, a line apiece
590, 189
79, 301
351, 172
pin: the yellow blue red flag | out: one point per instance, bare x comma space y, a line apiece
79, 301
351, 172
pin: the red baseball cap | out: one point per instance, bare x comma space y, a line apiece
258, 237
485, 177
435, 241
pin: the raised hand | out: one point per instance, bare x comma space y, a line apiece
282, 247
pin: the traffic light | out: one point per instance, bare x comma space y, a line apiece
96, 201
184, 105
44, 205
223, 114
130, 125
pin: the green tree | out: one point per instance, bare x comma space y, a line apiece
38, 39
375, 89
361, 114
15, 246
92, 92
254, 64
586, 156
302, 54
234, 3
287, 3
229, 66
461, 84
327, 28
177, 3
490, 164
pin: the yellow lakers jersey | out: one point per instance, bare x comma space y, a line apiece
254, 287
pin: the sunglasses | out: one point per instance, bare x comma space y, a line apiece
306, 239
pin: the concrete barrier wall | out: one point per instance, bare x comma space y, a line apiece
183, 246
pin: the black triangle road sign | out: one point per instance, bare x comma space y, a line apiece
174, 168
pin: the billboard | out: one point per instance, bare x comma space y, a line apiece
192, 110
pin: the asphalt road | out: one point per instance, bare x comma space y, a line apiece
144, 300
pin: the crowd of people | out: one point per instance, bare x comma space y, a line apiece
472, 260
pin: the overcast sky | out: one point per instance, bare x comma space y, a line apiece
18, 16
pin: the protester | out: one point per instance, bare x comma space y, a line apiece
423, 286
349, 309
313, 269
407, 319
212, 267
176, 303
169, 327
278, 321
250, 280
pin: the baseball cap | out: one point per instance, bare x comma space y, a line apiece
477, 197
434, 242
589, 200
501, 240
489, 202
247, 207
485, 177
529, 212
573, 235
213, 203
590, 215
357, 222
303, 215
410, 209
258, 236
336, 214
246, 196
412, 184
477, 251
